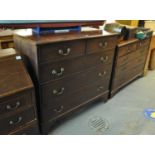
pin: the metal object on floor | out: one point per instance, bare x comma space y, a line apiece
98, 123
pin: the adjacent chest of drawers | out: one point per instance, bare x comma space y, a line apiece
129, 63
70, 71
17, 100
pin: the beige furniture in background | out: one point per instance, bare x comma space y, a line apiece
128, 22
6, 39
152, 46
151, 25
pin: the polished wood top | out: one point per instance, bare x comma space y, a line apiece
125, 42
86, 33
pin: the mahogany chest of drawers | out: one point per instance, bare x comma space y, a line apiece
129, 63
70, 71
17, 100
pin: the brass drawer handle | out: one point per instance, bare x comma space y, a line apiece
9, 107
103, 44
16, 122
59, 110
64, 53
104, 59
58, 92
102, 74
100, 88
54, 72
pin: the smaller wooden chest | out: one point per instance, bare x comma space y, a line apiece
17, 97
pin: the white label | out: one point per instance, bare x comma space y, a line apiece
18, 57
61, 31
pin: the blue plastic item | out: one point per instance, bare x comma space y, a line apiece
39, 30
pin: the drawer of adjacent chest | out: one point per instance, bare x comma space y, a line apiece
124, 76
101, 44
133, 58
126, 49
58, 51
16, 103
129, 67
53, 71
31, 129
65, 104
15, 121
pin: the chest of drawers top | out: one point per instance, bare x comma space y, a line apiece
13, 75
48, 48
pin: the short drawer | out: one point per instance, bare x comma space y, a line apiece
62, 105
16, 103
53, 71
67, 86
101, 44
31, 129
17, 120
126, 49
58, 51
143, 43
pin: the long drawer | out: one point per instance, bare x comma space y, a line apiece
62, 88
129, 58
126, 76
17, 120
101, 44
15, 103
129, 66
52, 71
62, 105
61, 50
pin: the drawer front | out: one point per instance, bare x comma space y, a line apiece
143, 51
101, 44
53, 71
129, 67
63, 105
16, 103
29, 130
58, 51
126, 49
67, 86
17, 120
125, 76
132, 59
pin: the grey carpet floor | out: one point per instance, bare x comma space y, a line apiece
121, 115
